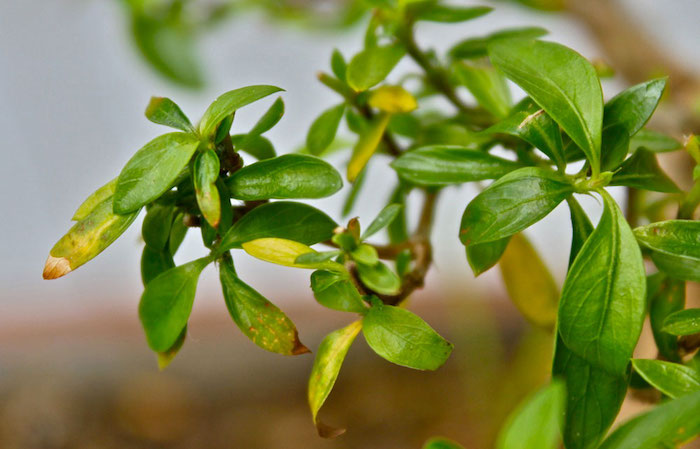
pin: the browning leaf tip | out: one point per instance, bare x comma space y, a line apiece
56, 267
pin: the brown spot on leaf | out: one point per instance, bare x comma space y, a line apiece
326, 431
299, 348
56, 267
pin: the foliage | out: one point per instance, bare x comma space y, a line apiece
196, 177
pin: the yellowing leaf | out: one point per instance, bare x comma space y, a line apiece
367, 145
285, 252
393, 99
529, 283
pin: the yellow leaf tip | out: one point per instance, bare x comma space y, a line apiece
56, 267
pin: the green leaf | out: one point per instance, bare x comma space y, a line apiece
354, 193
336, 291
94, 200
488, 87
309, 258
283, 219
154, 262
165, 111
323, 129
229, 103
642, 171
483, 256
441, 165
594, 398
581, 227
168, 45
166, 303
633, 107
287, 176
379, 278
512, 203
529, 283
384, 219
156, 226
670, 424
260, 320
285, 252
367, 145
152, 170
329, 359
615, 147
683, 322
403, 338
164, 358
562, 82
450, 14
672, 379
477, 47
269, 119
664, 298
338, 65
675, 246
603, 301
365, 254
257, 146
535, 127
369, 67
535, 423
86, 239
205, 173
178, 231
441, 443
654, 141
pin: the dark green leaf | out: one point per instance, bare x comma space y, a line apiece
287, 176
669, 424
512, 203
164, 358
581, 227
642, 171
269, 119
615, 147
683, 322
562, 82
153, 263
283, 219
477, 47
86, 239
229, 103
664, 298
672, 379
482, 256
323, 129
178, 231
223, 129
379, 278
257, 146
603, 300
594, 398
324, 373
94, 200
156, 226
488, 87
152, 170
336, 291
167, 301
164, 111
654, 141
205, 173
260, 320
633, 107
534, 126
536, 421
675, 246
403, 338
444, 165
369, 67
384, 219
450, 14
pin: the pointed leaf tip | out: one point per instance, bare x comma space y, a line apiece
56, 267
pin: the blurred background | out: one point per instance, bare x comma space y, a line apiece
75, 370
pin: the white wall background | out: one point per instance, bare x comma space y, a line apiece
72, 95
